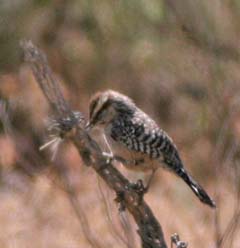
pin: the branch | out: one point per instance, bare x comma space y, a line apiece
70, 125
176, 241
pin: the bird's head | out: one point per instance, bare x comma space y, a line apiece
106, 106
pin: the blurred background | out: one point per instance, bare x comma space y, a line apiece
179, 61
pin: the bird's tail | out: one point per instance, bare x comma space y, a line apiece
196, 188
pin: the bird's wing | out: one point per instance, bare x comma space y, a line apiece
151, 141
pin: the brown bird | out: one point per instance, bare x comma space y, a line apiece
134, 136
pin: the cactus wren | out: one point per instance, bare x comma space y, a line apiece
135, 137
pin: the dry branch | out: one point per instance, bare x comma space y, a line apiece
175, 240
71, 125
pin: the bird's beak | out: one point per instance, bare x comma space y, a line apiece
89, 126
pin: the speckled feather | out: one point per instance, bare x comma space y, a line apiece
141, 134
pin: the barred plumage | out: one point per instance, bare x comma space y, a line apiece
134, 136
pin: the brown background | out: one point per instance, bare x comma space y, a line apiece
179, 61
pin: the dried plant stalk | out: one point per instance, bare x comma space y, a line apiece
71, 125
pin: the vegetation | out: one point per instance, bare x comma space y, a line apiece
179, 61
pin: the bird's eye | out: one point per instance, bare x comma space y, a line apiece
98, 117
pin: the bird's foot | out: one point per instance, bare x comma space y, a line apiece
140, 189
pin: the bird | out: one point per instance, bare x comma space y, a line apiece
133, 135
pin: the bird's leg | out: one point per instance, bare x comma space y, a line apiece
140, 188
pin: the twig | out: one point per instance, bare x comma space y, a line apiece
149, 228
176, 241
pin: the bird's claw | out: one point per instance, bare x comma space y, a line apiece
140, 189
